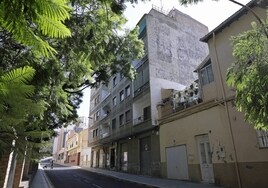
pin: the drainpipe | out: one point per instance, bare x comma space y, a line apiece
227, 111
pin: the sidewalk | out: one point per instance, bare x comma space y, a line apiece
149, 181
40, 179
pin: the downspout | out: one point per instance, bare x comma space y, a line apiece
227, 112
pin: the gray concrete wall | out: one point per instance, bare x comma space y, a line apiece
174, 47
174, 52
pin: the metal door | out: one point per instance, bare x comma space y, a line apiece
177, 165
145, 155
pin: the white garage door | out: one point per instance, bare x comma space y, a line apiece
177, 165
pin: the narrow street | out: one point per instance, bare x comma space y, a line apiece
71, 177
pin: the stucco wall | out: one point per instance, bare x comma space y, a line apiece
220, 48
183, 131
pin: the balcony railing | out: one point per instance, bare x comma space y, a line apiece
104, 116
141, 89
143, 60
104, 135
180, 100
104, 99
140, 119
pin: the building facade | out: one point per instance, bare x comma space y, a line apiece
85, 149
73, 150
124, 134
70, 142
59, 146
210, 138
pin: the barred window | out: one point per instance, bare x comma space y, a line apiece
262, 138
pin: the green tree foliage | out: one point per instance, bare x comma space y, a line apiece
16, 105
248, 75
25, 27
30, 21
97, 47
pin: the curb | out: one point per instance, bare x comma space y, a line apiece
50, 185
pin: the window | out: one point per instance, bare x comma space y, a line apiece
142, 76
114, 81
114, 101
127, 91
97, 115
121, 76
113, 124
97, 100
206, 74
121, 95
95, 133
144, 39
147, 113
262, 138
121, 119
128, 116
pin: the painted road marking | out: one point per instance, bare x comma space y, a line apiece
96, 186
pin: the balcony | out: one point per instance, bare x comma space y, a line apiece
105, 99
104, 135
138, 120
179, 100
141, 62
141, 89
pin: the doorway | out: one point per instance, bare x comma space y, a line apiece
205, 158
177, 164
145, 155
112, 159
124, 157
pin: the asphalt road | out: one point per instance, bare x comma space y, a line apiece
71, 177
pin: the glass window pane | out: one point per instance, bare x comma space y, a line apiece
204, 78
127, 91
210, 74
128, 116
262, 138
